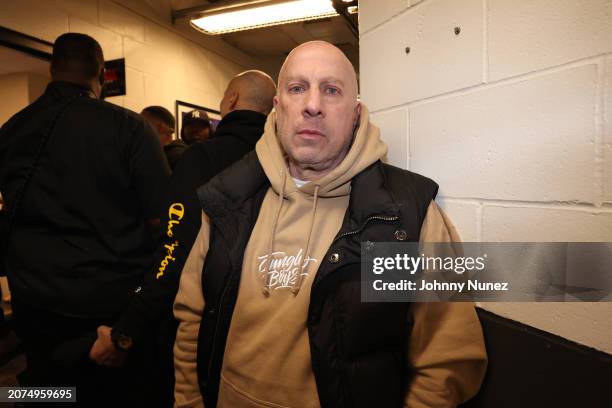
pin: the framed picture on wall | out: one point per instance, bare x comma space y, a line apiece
182, 109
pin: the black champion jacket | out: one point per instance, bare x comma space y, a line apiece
236, 135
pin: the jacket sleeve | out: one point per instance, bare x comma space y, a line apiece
180, 222
446, 348
188, 309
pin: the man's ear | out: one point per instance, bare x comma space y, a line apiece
101, 77
233, 100
275, 101
102, 94
357, 114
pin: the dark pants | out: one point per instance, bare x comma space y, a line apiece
57, 354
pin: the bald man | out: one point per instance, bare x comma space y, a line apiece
244, 107
269, 301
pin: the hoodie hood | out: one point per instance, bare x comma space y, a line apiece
366, 148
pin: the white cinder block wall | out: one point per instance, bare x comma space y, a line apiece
161, 65
512, 117
14, 94
19, 89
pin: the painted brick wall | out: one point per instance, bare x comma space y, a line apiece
161, 65
512, 116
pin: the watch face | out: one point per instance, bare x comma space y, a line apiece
123, 342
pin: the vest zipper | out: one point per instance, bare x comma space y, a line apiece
384, 218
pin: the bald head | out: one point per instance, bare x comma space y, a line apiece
316, 109
250, 90
311, 54
78, 58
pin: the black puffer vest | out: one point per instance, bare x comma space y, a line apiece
358, 349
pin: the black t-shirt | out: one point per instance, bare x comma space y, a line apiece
80, 244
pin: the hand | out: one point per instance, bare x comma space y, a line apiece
104, 352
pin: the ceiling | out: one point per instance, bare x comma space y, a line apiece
274, 43
267, 45
16, 61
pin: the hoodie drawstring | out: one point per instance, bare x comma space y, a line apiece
281, 197
295, 289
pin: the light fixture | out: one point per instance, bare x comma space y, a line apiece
261, 14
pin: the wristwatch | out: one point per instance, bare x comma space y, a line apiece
121, 341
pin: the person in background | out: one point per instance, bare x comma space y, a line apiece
163, 122
196, 127
82, 180
244, 107
269, 304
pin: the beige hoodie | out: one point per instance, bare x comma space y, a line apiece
267, 357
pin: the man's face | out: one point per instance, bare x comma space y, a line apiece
195, 132
316, 108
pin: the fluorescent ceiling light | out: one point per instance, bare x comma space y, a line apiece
265, 15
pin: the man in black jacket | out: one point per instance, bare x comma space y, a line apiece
163, 122
245, 104
83, 181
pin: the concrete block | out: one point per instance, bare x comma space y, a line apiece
528, 224
608, 102
121, 20
527, 35
134, 104
83, 9
154, 60
117, 100
464, 217
35, 18
134, 84
530, 140
607, 174
138, 56
375, 12
197, 66
37, 85
584, 323
162, 37
111, 43
158, 92
438, 62
15, 94
393, 127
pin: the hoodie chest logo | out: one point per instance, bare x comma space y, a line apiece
284, 269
